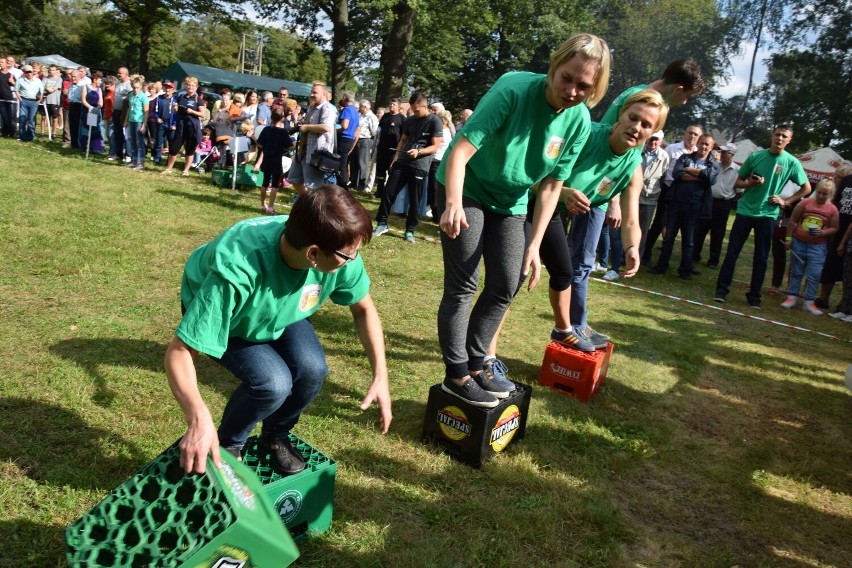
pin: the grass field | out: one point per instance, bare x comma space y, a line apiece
718, 440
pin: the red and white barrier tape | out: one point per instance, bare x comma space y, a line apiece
719, 308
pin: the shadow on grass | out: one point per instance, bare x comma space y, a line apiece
217, 196
91, 354
54, 445
45, 543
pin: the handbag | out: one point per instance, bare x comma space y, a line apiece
325, 161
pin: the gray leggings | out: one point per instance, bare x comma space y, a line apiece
497, 239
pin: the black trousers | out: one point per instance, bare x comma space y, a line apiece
681, 217
344, 146
74, 111
400, 176
716, 225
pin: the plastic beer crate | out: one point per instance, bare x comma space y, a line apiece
162, 517
574, 372
305, 500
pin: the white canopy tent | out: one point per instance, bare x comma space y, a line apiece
744, 149
54, 59
821, 163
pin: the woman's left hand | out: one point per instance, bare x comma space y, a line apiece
380, 393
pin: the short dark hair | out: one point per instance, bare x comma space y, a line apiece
783, 126
328, 217
417, 98
686, 73
277, 115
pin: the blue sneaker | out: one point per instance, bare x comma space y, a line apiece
571, 339
500, 374
599, 340
487, 381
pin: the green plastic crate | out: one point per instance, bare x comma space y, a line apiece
163, 517
304, 501
245, 176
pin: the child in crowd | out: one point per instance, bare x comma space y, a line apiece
844, 249
813, 221
273, 141
135, 122
205, 146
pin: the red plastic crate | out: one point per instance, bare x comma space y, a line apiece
574, 372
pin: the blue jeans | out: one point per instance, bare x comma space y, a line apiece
585, 230
159, 140
681, 217
615, 247
136, 142
742, 227
26, 120
807, 259
279, 380
603, 247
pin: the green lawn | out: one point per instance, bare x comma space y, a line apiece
718, 440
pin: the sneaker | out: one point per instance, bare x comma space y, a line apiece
285, 457
599, 340
754, 304
409, 237
812, 309
610, 275
571, 339
487, 380
501, 374
470, 392
111, 157
790, 302
138, 167
837, 315
427, 215
598, 267
847, 319
131, 165
719, 298
127, 159
380, 230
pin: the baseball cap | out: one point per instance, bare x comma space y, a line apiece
731, 148
168, 84
658, 134
27, 68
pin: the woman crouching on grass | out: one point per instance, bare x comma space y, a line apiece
246, 297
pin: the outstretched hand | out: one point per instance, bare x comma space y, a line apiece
380, 394
200, 439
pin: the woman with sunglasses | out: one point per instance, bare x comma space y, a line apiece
246, 297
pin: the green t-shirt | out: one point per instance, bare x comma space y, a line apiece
600, 173
520, 140
136, 112
614, 110
777, 170
237, 285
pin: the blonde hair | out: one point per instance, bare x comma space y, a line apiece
190, 81
246, 127
592, 49
827, 183
651, 98
239, 98
446, 116
844, 171
291, 104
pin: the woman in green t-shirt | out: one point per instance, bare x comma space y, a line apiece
246, 297
609, 164
527, 129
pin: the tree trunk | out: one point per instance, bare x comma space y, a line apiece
146, 29
739, 125
339, 37
393, 60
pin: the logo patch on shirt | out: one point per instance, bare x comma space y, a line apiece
554, 147
310, 297
605, 186
778, 169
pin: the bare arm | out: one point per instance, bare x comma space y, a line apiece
453, 219
549, 192
631, 231
372, 338
201, 437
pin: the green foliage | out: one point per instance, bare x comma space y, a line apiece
26, 28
